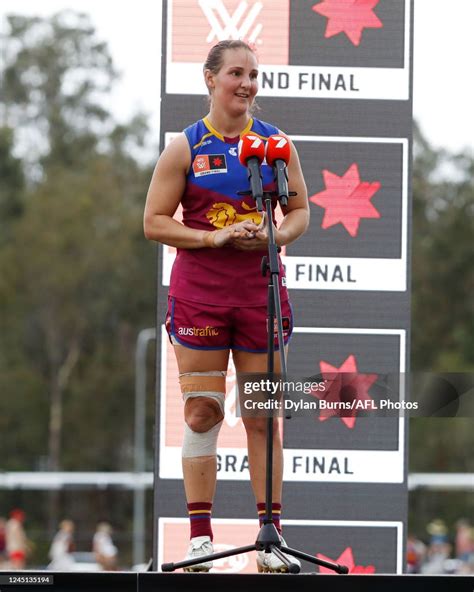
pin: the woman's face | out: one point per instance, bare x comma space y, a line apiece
234, 87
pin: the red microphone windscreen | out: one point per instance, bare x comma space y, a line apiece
251, 146
278, 147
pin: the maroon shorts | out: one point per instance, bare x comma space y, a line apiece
204, 326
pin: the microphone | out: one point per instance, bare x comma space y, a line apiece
278, 156
251, 155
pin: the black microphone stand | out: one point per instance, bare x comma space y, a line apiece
268, 538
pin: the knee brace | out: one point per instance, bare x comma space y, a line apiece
212, 386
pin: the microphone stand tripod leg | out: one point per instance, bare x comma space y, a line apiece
293, 568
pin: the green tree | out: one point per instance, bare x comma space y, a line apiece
442, 271
442, 320
76, 284
54, 75
77, 280
70, 273
12, 184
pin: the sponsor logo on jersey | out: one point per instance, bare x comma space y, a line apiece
209, 164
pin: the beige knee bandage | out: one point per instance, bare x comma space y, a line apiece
212, 386
204, 384
200, 443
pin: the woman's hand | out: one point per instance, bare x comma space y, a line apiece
257, 237
242, 231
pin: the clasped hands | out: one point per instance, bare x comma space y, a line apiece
245, 235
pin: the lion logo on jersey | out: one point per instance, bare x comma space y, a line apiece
222, 214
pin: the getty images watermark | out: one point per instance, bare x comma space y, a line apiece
368, 394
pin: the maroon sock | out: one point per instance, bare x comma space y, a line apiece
200, 519
276, 513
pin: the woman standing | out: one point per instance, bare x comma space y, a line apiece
217, 296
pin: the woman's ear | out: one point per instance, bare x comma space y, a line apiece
209, 79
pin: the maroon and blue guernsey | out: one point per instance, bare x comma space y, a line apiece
225, 276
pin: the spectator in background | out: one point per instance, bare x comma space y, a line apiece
17, 544
416, 551
438, 549
62, 547
3, 542
464, 545
103, 547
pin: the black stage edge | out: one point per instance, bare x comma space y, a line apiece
301, 583
179, 582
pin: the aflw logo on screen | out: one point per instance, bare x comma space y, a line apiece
333, 48
237, 25
259, 22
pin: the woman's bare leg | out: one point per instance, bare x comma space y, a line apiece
201, 414
256, 429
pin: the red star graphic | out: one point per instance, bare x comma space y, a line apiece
344, 384
217, 161
346, 558
349, 16
346, 199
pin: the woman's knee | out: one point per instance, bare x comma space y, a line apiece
257, 427
202, 414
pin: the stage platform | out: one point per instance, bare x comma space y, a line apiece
179, 582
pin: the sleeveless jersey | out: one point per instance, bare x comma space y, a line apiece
224, 276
